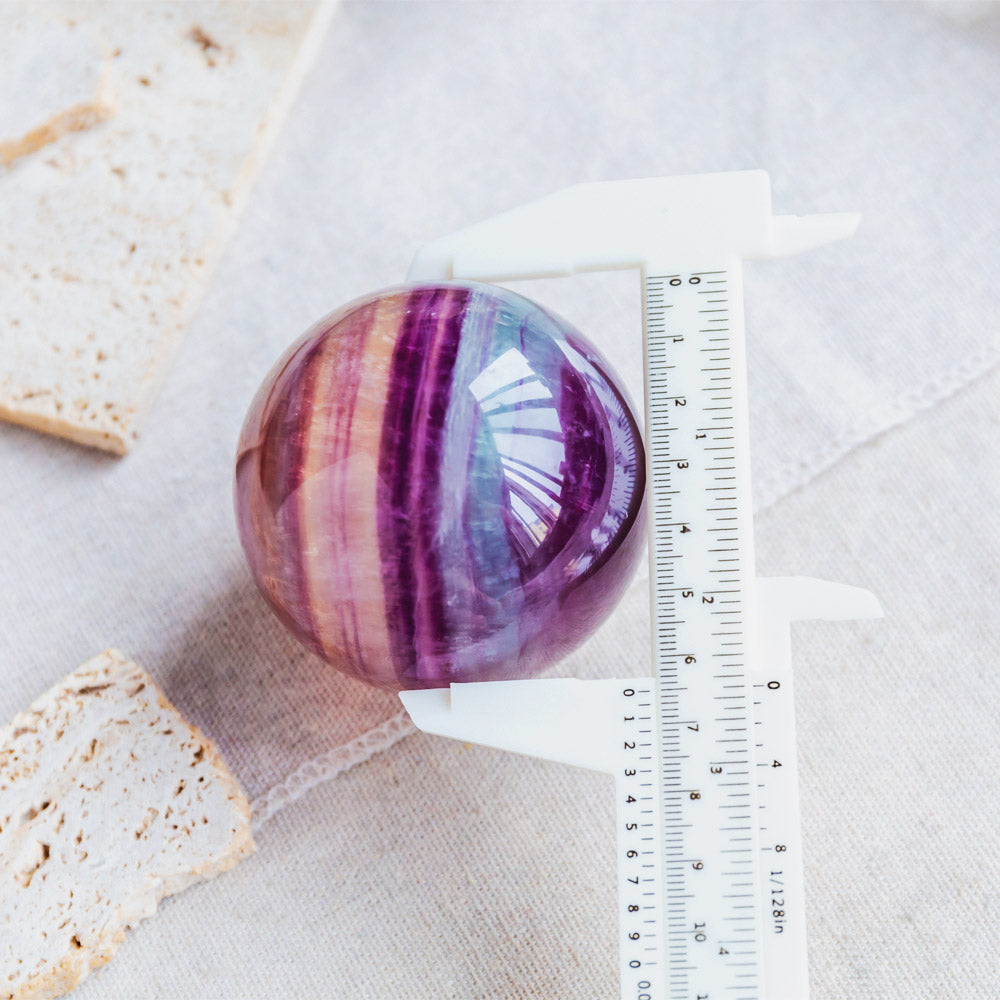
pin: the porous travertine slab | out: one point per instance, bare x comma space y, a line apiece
109, 801
115, 206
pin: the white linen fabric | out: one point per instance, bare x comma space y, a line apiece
440, 870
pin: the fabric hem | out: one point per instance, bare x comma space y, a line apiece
329, 765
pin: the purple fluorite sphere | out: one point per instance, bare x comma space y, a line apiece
441, 483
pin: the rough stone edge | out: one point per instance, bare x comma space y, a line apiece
119, 438
76, 966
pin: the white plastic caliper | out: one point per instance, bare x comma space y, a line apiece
703, 749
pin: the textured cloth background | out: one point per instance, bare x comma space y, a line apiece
440, 870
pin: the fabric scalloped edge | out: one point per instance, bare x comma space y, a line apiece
889, 414
330, 765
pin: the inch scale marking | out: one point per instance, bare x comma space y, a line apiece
702, 749
701, 570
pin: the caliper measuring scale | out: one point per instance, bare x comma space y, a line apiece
709, 850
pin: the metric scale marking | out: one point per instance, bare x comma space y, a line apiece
703, 750
701, 568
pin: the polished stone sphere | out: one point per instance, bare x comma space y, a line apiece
441, 483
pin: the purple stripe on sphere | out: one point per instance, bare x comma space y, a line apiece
625, 440
584, 469
352, 353
393, 482
293, 450
431, 619
409, 482
270, 470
